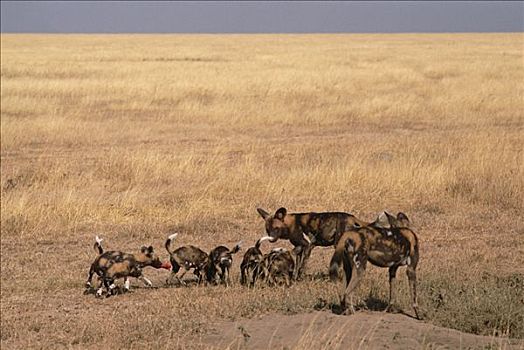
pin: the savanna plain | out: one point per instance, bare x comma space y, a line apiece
134, 137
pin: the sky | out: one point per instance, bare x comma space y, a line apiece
260, 16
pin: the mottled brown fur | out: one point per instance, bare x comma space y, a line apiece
253, 265
189, 257
307, 230
221, 259
392, 245
280, 265
112, 265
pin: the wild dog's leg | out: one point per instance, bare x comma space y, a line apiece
180, 278
110, 285
287, 279
225, 274
90, 277
243, 275
392, 278
412, 277
354, 268
300, 251
126, 284
103, 283
174, 270
145, 281
253, 273
307, 253
257, 273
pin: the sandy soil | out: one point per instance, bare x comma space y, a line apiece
364, 330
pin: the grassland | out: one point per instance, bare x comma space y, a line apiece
136, 136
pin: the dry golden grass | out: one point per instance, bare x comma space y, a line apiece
134, 136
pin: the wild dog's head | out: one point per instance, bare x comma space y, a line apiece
147, 257
276, 226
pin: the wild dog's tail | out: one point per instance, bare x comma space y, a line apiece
236, 248
98, 245
338, 256
168, 242
265, 238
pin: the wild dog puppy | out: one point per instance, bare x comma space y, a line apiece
307, 230
280, 265
253, 265
189, 257
221, 258
112, 265
386, 242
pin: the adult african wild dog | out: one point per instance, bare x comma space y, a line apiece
221, 259
111, 265
280, 266
391, 244
253, 265
307, 230
189, 257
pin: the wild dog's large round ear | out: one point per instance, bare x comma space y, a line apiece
402, 217
382, 219
281, 213
150, 249
391, 219
262, 213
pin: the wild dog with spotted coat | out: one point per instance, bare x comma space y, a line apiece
221, 259
112, 265
307, 230
189, 257
253, 266
280, 266
387, 242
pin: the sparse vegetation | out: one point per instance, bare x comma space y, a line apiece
136, 136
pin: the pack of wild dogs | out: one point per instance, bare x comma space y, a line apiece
386, 242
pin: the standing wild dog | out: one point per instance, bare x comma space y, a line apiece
280, 265
221, 258
307, 230
111, 265
188, 257
390, 245
253, 265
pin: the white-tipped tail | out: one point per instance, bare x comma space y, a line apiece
98, 245
169, 240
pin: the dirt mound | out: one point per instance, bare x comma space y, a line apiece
325, 330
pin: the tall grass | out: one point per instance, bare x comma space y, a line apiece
134, 136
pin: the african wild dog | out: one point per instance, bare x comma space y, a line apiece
221, 258
111, 265
307, 230
280, 265
391, 244
253, 265
188, 257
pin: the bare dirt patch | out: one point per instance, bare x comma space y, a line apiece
325, 330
